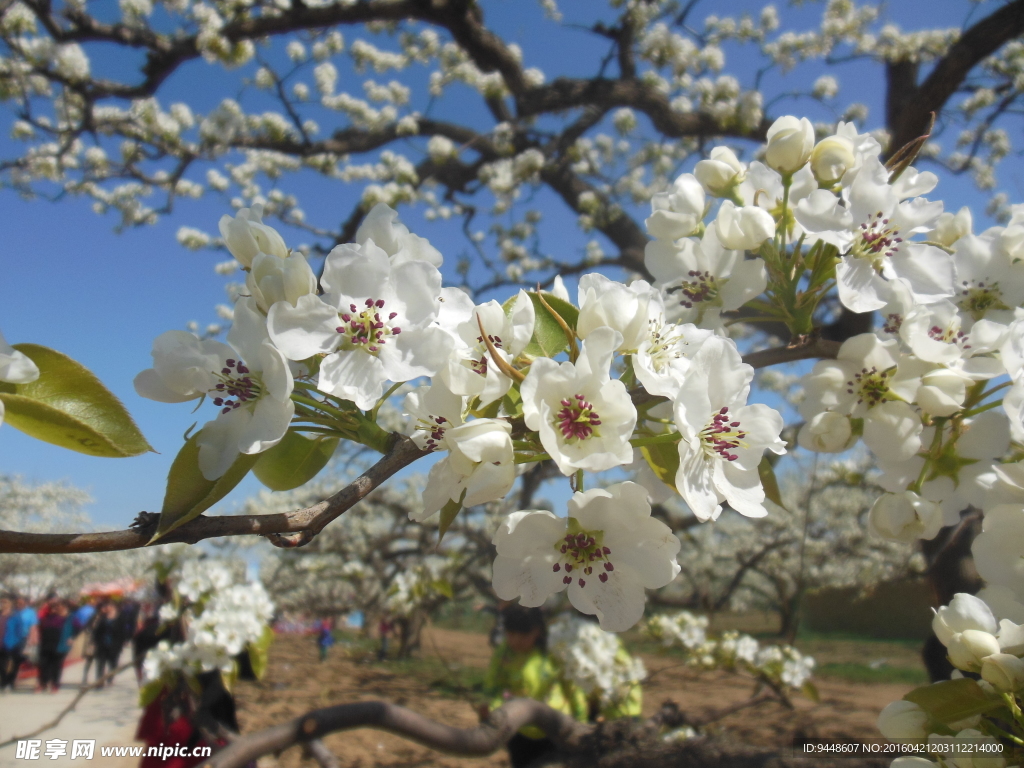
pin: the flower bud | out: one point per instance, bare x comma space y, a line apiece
826, 432
790, 141
743, 229
969, 648
273, 279
1005, 671
831, 158
903, 720
677, 212
721, 173
950, 227
942, 392
904, 517
245, 235
963, 612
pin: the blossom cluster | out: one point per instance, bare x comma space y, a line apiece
991, 652
782, 665
218, 617
593, 660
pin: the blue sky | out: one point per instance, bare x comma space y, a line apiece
71, 283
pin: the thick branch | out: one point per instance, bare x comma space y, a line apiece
977, 43
822, 348
470, 742
306, 522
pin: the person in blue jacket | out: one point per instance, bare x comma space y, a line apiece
20, 629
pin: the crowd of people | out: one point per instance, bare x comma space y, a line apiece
42, 635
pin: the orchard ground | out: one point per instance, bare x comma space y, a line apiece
856, 679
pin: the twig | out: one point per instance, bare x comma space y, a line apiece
803, 350
303, 523
483, 740
74, 702
317, 750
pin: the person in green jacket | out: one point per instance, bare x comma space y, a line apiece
521, 668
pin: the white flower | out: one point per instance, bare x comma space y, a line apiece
584, 417
723, 438
904, 517
663, 356
1003, 670
831, 158
950, 227
700, 280
720, 174
624, 308
678, 212
872, 230
273, 279
245, 235
989, 284
469, 370
480, 464
374, 322
903, 720
964, 612
858, 383
997, 549
827, 432
594, 660
254, 396
968, 649
381, 225
790, 141
606, 552
743, 229
435, 409
15, 367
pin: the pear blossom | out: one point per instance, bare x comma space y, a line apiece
904, 517
989, 283
872, 231
1003, 670
245, 235
964, 612
584, 417
15, 368
858, 384
469, 370
903, 720
721, 173
678, 212
966, 474
790, 141
253, 392
434, 410
831, 158
375, 323
663, 356
950, 227
606, 552
272, 279
827, 432
723, 438
625, 308
480, 466
700, 280
745, 228
382, 226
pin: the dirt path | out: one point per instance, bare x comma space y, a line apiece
296, 683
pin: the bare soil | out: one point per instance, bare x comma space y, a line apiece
297, 682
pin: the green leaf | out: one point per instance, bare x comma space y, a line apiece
150, 692
259, 653
189, 494
68, 406
663, 459
444, 587
952, 700
810, 690
448, 514
548, 337
294, 461
230, 678
769, 482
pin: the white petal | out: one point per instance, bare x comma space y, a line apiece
354, 375
309, 328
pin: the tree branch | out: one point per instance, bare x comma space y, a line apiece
822, 348
287, 529
470, 742
977, 43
